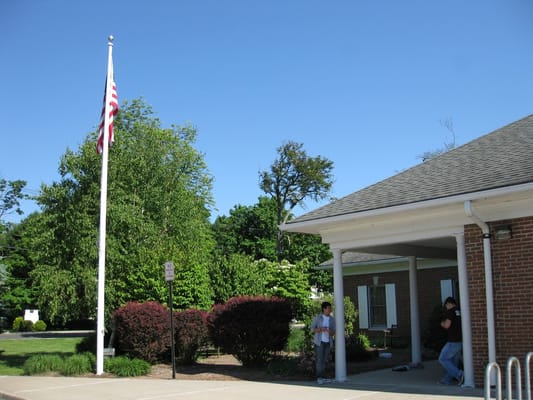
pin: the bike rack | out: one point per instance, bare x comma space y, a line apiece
527, 375
508, 381
488, 369
511, 362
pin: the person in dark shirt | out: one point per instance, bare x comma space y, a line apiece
451, 353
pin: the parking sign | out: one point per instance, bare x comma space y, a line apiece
169, 271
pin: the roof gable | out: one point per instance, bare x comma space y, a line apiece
499, 159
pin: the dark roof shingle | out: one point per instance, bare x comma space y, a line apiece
499, 159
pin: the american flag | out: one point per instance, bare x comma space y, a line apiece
112, 98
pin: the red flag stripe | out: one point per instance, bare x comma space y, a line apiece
113, 102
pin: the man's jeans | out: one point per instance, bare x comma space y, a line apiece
449, 357
322, 353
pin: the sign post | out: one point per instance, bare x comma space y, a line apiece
169, 277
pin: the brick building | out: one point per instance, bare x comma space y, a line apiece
460, 223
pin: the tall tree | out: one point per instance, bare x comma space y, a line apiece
294, 177
252, 230
14, 292
238, 275
16, 289
159, 195
11, 193
249, 230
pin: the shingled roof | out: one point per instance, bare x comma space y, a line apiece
499, 159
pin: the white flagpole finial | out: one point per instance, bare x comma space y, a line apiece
110, 38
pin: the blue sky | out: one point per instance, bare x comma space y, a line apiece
366, 84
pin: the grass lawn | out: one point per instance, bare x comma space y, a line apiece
13, 352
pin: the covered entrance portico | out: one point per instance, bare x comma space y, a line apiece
473, 201
435, 232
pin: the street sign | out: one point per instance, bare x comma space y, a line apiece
169, 271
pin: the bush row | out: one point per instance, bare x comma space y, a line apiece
83, 363
250, 328
24, 325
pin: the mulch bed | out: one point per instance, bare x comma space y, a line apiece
226, 367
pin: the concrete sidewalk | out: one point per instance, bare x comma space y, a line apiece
383, 384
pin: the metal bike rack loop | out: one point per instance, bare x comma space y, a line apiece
488, 369
508, 380
527, 375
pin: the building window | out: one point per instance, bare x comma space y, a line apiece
377, 306
449, 287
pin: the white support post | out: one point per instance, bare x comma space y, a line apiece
416, 354
468, 364
340, 342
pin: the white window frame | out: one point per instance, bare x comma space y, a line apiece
364, 306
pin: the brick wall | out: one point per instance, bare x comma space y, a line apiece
428, 294
512, 275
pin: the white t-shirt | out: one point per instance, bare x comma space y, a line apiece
325, 324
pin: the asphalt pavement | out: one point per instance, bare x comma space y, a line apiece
383, 384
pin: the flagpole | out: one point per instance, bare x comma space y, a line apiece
100, 321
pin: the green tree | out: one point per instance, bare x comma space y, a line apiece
293, 177
238, 275
301, 246
249, 230
289, 281
159, 195
252, 230
11, 194
16, 289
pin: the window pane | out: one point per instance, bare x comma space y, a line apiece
377, 306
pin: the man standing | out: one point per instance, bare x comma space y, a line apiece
451, 353
323, 327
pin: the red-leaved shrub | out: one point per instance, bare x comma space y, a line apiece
251, 328
143, 330
190, 333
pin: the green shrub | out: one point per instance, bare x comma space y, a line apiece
39, 326
350, 316
123, 366
364, 340
42, 363
295, 343
251, 328
87, 344
17, 322
77, 364
357, 348
26, 326
92, 359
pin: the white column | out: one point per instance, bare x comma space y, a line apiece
468, 364
338, 292
416, 354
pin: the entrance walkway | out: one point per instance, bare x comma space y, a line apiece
383, 385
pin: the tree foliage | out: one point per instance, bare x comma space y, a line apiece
11, 193
238, 275
290, 282
159, 194
249, 230
16, 286
252, 230
294, 177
